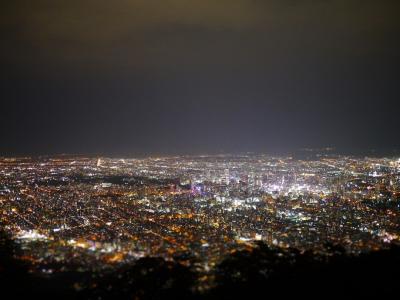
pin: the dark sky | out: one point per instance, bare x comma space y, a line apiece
178, 76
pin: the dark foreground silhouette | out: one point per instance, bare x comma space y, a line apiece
261, 272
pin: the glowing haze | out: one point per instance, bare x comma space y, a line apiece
126, 77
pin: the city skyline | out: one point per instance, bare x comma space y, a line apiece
199, 149
99, 215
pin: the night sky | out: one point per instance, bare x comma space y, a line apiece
136, 77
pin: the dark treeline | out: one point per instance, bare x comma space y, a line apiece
260, 272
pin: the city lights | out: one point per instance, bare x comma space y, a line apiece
99, 212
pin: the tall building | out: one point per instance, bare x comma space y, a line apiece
251, 179
227, 176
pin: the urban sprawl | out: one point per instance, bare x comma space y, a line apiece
98, 213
